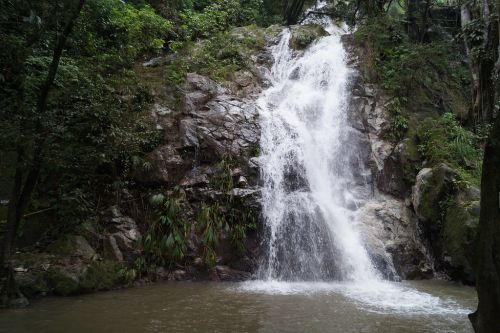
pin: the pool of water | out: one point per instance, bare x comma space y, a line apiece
423, 306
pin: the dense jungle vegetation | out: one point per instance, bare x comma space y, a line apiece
75, 106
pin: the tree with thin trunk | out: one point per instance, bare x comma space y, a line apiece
29, 160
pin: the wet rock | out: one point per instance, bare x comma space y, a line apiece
244, 83
225, 273
111, 250
32, 284
18, 302
178, 275
250, 197
392, 237
158, 61
304, 35
199, 90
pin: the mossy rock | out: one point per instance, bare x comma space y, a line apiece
63, 283
457, 236
101, 276
72, 245
304, 35
409, 158
432, 189
32, 284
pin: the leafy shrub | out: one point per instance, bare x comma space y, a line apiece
444, 140
430, 76
118, 32
213, 19
227, 215
165, 241
399, 121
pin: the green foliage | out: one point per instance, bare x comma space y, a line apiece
428, 80
115, 33
473, 32
95, 123
430, 76
227, 215
214, 18
216, 57
399, 121
444, 140
166, 239
219, 56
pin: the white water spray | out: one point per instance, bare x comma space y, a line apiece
307, 158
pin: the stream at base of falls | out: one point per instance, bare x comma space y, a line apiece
255, 306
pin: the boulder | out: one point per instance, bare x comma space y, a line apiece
304, 35
72, 245
392, 237
456, 245
449, 214
123, 235
226, 273
64, 281
432, 188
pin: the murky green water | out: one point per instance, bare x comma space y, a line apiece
425, 306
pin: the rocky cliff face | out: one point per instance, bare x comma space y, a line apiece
426, 219
390, 228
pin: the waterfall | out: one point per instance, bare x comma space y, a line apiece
315, 187
310, 191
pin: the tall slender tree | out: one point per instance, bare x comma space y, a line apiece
29, 159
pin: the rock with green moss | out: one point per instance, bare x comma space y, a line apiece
32, 284
63, 282
432, 188
304, 35
101, 276
458, 234
449, 212
72, 245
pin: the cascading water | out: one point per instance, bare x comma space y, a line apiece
309, 188
313, 185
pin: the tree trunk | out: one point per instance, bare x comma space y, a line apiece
23, 188
485, 319
423, 25
482, 68
411, 12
